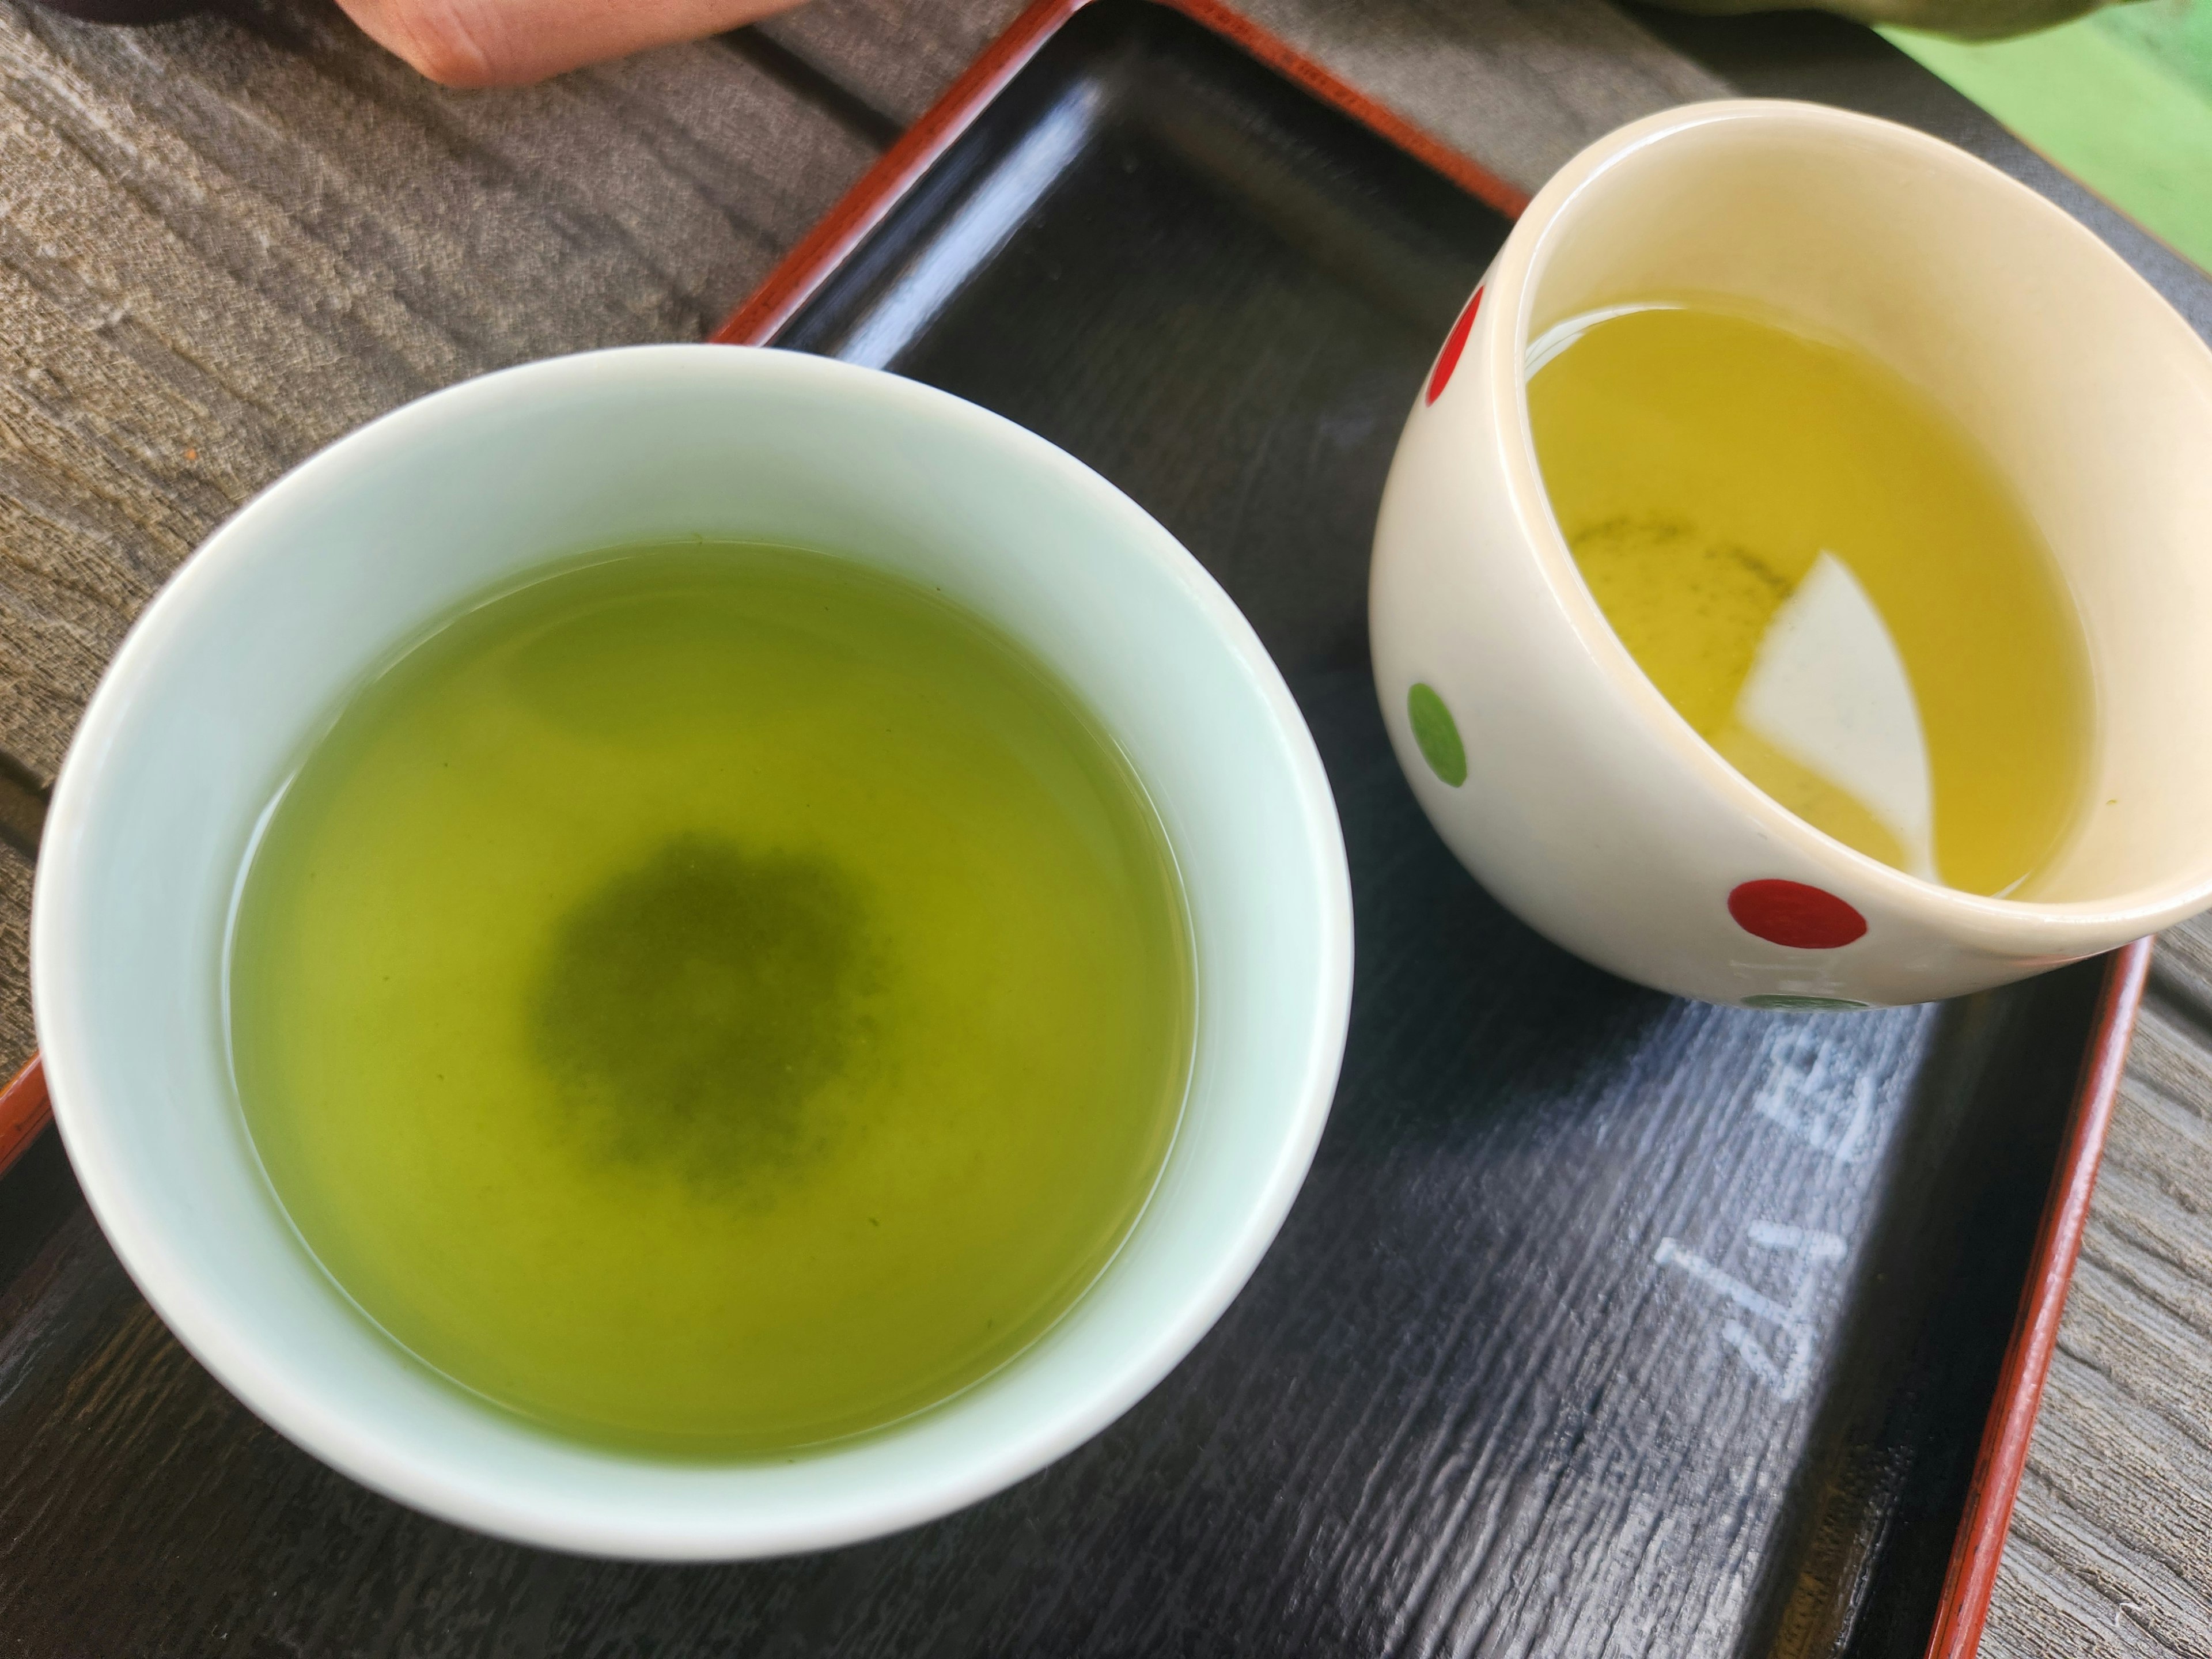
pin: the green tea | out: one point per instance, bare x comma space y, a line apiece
713, 1000
1827, 579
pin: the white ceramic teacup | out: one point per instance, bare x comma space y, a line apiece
1577, 795
236, 664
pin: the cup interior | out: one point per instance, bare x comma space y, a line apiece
2092, 397
241, 662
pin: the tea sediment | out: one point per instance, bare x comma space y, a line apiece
715, 1001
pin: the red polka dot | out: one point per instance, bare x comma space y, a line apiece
1454, 342
1790, 913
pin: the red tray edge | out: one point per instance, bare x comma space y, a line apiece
1970, 1575
24, 1111
807, 266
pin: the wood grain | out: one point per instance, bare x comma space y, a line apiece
2111, 1544
2181, 972
225, 241
896, 55
22, 820
1519, 85
17, 1039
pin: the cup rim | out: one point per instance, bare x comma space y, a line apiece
355, 1442
2071, 925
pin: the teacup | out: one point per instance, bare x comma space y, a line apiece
237, 663
1557, 772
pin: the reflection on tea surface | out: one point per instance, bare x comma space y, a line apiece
1827, 579
715, 1001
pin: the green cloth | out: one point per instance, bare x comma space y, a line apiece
2121, 98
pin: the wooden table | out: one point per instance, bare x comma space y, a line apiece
224, 242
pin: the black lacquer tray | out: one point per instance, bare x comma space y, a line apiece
1605, 1324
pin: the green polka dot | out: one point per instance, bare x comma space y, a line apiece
1434, 730
1802, 1005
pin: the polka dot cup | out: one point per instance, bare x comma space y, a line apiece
1557, 771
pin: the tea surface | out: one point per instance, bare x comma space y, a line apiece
1827, 577
715, 1000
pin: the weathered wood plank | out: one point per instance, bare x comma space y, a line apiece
226, 241
17, 1039
896, 55
2111, 1549
1519, 85
2182, 969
